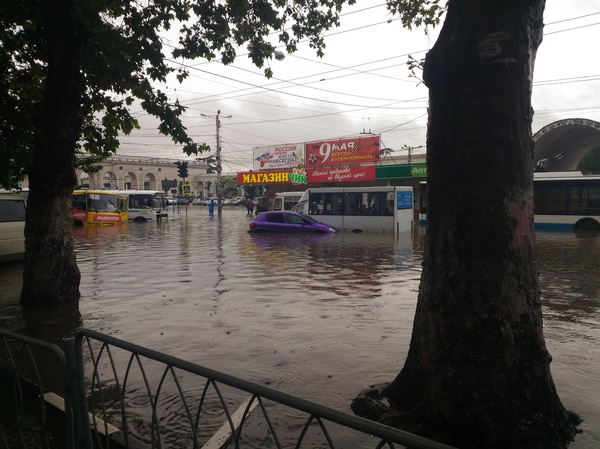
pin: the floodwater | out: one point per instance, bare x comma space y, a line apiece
320, 317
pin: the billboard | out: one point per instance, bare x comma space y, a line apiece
341, 174
278, 157
353, 151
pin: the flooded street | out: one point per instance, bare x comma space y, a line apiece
320, 317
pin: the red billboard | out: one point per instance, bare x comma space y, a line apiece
341, 174
353, 151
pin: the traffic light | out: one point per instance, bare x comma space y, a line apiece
182, 169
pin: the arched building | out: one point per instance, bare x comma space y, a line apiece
562, 145
140, 172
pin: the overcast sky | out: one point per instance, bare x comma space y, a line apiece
362, 85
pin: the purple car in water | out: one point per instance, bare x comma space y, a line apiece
287, 221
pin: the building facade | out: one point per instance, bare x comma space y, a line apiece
122, 172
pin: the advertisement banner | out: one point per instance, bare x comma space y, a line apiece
357, 150
341, 174
278, 156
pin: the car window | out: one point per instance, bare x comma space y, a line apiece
295, 219
308, 219
274, 218
12, 210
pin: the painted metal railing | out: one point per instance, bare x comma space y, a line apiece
124, 395
28, 368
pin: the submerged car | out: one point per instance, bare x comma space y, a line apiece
286, 221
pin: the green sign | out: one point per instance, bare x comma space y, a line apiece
406, 171
298, 178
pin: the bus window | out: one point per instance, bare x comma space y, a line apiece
326, 204
79, 202
352, 203
316, 203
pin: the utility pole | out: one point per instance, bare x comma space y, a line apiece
219, 168
218, 158
406, 147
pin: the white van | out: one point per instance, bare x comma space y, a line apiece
12, 226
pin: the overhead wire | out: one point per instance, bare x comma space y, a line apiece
294, 83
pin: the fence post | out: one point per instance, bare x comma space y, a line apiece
75, 398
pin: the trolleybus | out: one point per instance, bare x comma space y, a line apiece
356, 209
563, 201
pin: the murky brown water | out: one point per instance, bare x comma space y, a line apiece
320, 317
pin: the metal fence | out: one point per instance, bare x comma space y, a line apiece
102, 392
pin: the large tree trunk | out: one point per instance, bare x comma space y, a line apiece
477, 374
50, 274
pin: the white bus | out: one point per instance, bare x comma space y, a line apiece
12, 226
357, 209
562, 201
145, 205
286, 200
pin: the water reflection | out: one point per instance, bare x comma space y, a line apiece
567, 264
316, 316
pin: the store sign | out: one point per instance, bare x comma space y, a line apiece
301, 176
278, 156
358, 150
317, 175
257, 177
418, 171
406, 171
298, 176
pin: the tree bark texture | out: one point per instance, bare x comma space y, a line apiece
50, 274
477, 374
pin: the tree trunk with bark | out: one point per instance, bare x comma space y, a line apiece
50, 273
477, 374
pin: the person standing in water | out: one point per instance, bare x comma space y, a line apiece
211, 207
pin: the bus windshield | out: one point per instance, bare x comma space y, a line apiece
102, 202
